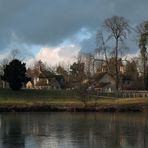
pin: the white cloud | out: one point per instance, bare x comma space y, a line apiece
3, 56
133, 55
53, 56
130, 56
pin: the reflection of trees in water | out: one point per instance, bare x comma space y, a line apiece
36, 128
105, 130
134, 131
11, 132
131, 133
111, 131
107, 133
127, 130
82, 129
145, 133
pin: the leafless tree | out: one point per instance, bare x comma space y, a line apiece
142, 30
118, 28
102, 49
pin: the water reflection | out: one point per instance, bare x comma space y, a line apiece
11, 132
73, 130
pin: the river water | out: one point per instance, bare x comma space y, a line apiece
73, 130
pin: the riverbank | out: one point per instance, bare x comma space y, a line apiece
45, 101
102, 106
69, 108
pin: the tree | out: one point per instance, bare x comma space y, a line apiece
89, 68
77, 71
117, 27
14, 54
102, 49
82, 92
15, 74
143, 42
60, 70
37, 68
5, 61
131, 75
131, 70
88, 60
3, 64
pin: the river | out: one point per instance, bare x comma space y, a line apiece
73, 130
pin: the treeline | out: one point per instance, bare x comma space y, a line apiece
106, 58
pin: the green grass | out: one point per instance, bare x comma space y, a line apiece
61, 98
23, 96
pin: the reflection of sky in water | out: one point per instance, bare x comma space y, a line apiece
73, 130
48, 142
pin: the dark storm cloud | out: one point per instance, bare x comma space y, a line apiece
41, 22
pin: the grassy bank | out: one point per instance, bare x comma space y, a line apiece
64, 100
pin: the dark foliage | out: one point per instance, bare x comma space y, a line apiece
60, 80
15, 74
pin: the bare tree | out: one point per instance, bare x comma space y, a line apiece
14, 54
117, 27
143, 42
102, 48
87, 59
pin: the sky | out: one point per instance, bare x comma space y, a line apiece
56, 31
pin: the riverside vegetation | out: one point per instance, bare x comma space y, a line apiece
65, 100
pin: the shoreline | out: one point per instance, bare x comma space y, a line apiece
66, 101
49, 108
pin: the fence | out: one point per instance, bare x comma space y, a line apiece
133, 94
124, 94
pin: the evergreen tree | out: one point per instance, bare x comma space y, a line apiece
15, 74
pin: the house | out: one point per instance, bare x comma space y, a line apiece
104, 82
110, 66
3, 84
43, 79
29, 85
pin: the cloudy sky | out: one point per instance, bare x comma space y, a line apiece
56, 30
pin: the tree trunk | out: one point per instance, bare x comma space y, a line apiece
144, 71
116, 65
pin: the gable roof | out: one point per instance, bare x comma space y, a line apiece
45, 74
99, 76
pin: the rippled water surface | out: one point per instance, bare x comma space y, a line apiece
73, 130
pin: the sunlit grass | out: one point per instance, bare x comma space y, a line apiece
61, 98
